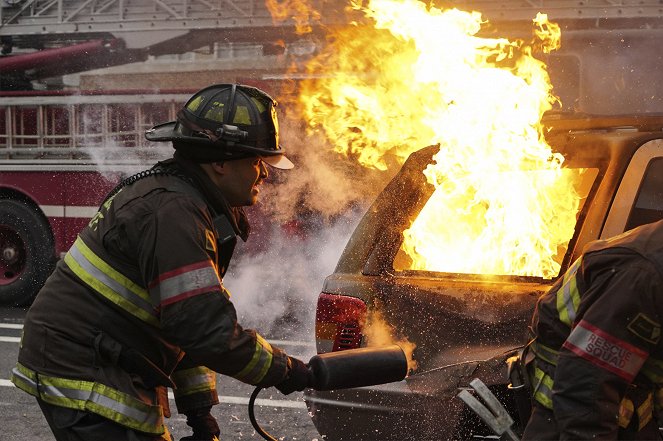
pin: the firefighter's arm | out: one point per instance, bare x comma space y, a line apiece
602, 355
179, 260
206, 328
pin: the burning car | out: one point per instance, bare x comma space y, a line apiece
450, 259
461, 315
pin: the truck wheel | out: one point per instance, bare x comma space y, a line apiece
26, 252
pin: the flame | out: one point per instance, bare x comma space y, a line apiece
420, 76
300, 11
379, 332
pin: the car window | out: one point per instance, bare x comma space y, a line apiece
636, 199
456, 261
648, 205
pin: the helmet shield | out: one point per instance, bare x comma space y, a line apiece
223, 122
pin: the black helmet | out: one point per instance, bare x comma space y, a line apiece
225, 122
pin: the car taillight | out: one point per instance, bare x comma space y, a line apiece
338, 322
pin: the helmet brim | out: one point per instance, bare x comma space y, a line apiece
162, 132
168, 132
278, 161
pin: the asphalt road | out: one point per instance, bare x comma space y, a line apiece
284, 417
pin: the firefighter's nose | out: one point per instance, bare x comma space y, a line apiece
263, 170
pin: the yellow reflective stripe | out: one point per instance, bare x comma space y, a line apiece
24, 379
658, 402
645, 412
568, 297
653, 370
544, 352
266, 360
95, 397
108, 282
542, 387
625, 413
257, 367
194, 380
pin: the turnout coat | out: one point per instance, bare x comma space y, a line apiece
138, 305
598, 366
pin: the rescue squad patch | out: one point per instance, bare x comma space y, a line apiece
645, 328
606, 351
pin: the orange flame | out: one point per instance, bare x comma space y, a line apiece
503, 203
299, 10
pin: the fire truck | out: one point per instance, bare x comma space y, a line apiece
60, 154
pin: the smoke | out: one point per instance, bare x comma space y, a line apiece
323, 182
108, 152
275, 289
612, 73
300, 227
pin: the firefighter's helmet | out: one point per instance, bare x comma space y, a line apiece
225, 122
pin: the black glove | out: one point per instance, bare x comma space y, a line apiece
203, 424
297, 378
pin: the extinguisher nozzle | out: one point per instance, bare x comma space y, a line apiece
357, 367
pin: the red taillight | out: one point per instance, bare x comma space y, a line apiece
338, 322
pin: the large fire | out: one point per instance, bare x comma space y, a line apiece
419, 76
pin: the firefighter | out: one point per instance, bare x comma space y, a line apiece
138, 305
597, 357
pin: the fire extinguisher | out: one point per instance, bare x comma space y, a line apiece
347, 369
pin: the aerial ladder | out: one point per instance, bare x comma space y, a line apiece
155, 23
99, 33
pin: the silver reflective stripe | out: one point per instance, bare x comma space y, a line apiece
111, 283
61, 392
542, 386
188, 281
257, 367
545, 353
24, 382
23, 377
192, 381
150, 419
90, 393
569, 300
93, 397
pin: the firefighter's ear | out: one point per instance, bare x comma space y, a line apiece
218, 168
214, 170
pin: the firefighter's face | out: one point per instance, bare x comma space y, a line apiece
239, 180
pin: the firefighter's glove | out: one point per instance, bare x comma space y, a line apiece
203, 424
297, 379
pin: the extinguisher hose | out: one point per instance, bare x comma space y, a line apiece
252, 416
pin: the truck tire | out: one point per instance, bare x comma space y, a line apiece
27, 254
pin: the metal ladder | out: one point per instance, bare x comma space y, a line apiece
147, 22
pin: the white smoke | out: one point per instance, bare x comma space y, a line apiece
275, 290
276, 277
108, 154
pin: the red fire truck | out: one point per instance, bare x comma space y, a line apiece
60, 154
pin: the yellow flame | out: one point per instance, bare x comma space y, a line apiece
421, 76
